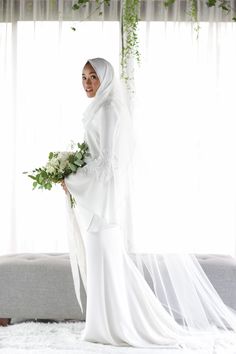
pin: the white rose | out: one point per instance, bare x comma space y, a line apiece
63, 156
54, 162
50, 169
63, 164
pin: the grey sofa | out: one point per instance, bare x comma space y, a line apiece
40, 286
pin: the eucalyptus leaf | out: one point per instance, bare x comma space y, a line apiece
44, 173
37, 177
78, 162
33, 177
40, 179
78, 155
73, 167
48, 185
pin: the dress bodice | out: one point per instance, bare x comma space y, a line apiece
100, 135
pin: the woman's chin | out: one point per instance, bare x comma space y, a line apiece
90, 94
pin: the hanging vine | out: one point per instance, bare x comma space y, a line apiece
192, 12
99, 5
224, 5
130, 42
129, 25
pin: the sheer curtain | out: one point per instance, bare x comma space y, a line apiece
185, 198
184, 119
42, 102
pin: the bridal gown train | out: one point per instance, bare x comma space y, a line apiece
122, 309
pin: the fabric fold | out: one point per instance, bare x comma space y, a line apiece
76, 252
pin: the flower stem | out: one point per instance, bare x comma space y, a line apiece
72, 201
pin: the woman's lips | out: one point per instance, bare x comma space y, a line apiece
89, 90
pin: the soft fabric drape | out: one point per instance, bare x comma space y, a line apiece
184, 120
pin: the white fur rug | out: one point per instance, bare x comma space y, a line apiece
58, 338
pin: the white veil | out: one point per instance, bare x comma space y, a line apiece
177, 280
124, 145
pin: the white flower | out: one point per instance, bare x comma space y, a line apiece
54, 162
64, 155
50, 169
63, 164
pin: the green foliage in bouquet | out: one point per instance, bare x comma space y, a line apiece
59, 166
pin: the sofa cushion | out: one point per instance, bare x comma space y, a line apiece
221, 271
40, 285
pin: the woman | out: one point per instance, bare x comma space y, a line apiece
122, 309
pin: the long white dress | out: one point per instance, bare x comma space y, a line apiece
122, 309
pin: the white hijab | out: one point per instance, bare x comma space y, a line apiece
110, 89
105, 73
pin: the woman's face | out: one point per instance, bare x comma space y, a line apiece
90, 80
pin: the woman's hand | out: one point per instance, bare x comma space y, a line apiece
64, 186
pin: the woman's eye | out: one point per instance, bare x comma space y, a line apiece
94, 77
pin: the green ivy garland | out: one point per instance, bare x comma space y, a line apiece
99, 3
192, 12
130, 43
224, 5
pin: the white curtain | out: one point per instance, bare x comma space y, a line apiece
42, 102
185, 198
184, 119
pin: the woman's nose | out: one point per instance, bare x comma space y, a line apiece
88, 81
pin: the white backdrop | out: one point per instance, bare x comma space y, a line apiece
185, 125
49, 100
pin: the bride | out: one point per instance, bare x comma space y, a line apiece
184, 310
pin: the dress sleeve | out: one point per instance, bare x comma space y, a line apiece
103, 165
93, 186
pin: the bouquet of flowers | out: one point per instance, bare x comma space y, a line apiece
59, 165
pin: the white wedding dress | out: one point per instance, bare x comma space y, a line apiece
122, 309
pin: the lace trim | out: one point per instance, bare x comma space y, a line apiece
101, 166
